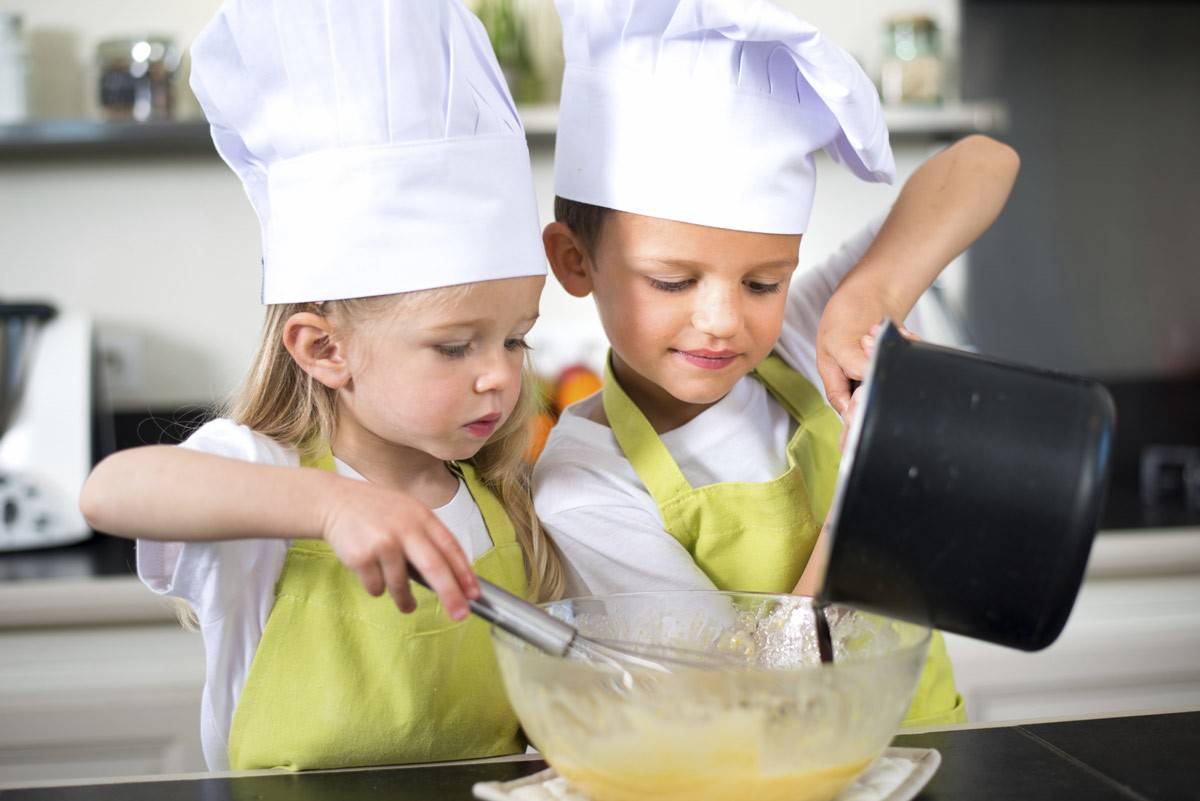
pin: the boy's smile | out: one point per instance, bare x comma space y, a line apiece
688, 309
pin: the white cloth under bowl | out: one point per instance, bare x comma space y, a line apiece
897, 775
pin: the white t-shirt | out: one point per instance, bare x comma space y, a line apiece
598, 512
230, 584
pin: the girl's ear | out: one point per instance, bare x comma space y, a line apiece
309, 338
568, 259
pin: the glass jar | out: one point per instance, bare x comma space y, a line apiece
137, 78
14, 100
912, 70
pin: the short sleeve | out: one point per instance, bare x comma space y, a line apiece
211, 576
604, 523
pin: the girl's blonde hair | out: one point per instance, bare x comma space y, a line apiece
283, 402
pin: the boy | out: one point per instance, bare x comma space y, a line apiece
685, 178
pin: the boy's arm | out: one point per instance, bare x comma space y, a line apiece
943, 207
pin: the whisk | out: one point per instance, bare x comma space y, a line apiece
542, 630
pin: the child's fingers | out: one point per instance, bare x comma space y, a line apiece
371, 578
837, 385
438, 575
395, 573
445, 542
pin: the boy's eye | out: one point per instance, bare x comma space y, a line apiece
759, 288
670, 286
517, 343
454, 351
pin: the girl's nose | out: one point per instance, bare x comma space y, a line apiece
498, 374
718, 312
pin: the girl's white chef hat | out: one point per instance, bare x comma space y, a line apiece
377, 141
709, 111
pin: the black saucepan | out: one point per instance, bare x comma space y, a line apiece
969, 493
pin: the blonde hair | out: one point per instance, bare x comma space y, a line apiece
280, 400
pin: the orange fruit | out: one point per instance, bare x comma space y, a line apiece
574, 384
540, 431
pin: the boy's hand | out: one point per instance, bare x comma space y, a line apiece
867, 342
376, 532
852, 315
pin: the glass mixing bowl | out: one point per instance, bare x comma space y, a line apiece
764, 720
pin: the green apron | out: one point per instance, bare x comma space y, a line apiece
342, 678
758, 536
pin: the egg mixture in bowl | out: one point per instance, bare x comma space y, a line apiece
758, 716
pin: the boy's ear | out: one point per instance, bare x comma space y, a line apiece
568, 259
309, 338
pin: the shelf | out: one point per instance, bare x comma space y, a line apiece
53, 138
935, 121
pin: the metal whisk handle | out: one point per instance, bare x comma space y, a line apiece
516, 616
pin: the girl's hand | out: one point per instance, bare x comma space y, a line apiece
377, 532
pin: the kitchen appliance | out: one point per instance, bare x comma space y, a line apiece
45, 424
969, 493
1092, 267
779, 726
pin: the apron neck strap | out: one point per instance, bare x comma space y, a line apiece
640, 442
793, 392
499, 526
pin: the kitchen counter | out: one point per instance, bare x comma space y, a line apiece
1142, 757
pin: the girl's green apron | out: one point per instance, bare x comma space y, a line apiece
341, 678
757, 536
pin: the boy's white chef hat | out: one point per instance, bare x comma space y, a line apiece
377, 141
708, 112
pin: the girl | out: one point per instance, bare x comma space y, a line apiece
402, 271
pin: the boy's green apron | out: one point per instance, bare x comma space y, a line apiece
757, 536
341, 678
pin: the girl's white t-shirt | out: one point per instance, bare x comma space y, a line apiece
230, 584
598, 512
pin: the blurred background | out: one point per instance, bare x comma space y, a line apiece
129, 270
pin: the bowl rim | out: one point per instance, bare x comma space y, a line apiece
923, 641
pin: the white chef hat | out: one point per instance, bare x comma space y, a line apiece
709, 111
377, 141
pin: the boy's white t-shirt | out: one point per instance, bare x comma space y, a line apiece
598, 512
230, 584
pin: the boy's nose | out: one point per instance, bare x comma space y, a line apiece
718, 313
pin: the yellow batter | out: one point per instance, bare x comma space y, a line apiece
727, 785
716, 753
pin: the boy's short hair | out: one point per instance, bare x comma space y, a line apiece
584, 219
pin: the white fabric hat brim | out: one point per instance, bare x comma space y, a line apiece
358, 222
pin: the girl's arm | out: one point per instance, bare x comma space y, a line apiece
167, 493
943, 207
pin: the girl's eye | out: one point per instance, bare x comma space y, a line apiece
517, 344
670, 286
453, 351
762, 289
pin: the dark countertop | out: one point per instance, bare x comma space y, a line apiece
1141, 758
